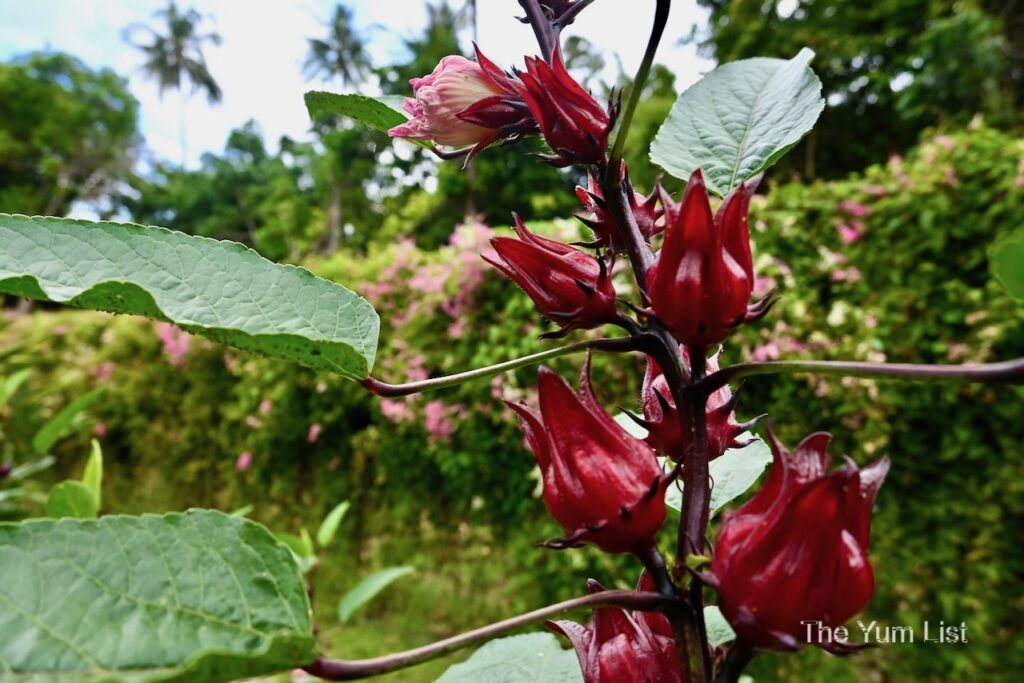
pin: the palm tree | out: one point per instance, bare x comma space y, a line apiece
177, 56
341, 54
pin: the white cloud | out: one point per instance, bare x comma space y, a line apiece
259, 62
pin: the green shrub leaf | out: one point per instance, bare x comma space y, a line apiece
367, 589
57, 427
200, 597
329, 527
739, 120
72, 499
93, 474
379, 113
732, 473
529, 658
1006, 257
221, 290
719, 630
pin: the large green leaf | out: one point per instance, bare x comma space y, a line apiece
739, 120
220, 290
58, 426
529, 658
199, 597
732, 473
367, 589
1006, 258
379, 113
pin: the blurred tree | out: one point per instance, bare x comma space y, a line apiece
176, 57
341, 53
67, 134
247, 194
889, 68
349, 158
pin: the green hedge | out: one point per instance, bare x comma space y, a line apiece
912, 286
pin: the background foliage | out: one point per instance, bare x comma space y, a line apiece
886, 264
884, 259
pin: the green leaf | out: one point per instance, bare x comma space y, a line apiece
329, 527
1006, 258
72, 499
379, 113
301, 547
57, 427
32, 467
529, 658
243, 511
719, 630
221, 290
93, 475
732, 474
367, 589
739, 120
199, 597
10, 385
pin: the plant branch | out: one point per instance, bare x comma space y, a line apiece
740, 654
538, 20
660, 19
617, 345
1005, 372
349, 670
569, 15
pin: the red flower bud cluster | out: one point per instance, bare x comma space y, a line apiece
645, 210
620, 646
601, 484
465, 103
568, 286
573, 123
663, 424
797, 552
702, 279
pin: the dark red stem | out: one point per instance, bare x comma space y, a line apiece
350, 670
1005, 372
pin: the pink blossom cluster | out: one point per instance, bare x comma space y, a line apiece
176, 342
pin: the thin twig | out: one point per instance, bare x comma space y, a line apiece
349, 670
660, 19
617, 345
1005, 372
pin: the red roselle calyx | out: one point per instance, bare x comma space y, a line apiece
701, 281
622, 646
645, 211
601, 484
568, 286
464, 103
574, 125
662, 420
796, 554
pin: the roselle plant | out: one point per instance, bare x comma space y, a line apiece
204, 596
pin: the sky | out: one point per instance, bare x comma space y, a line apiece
259, 62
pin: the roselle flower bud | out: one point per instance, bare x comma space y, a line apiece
661, 417
645, 211
797, 552
575, 126
622, 646
569, 287
701, 282
601, 484
464, 103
